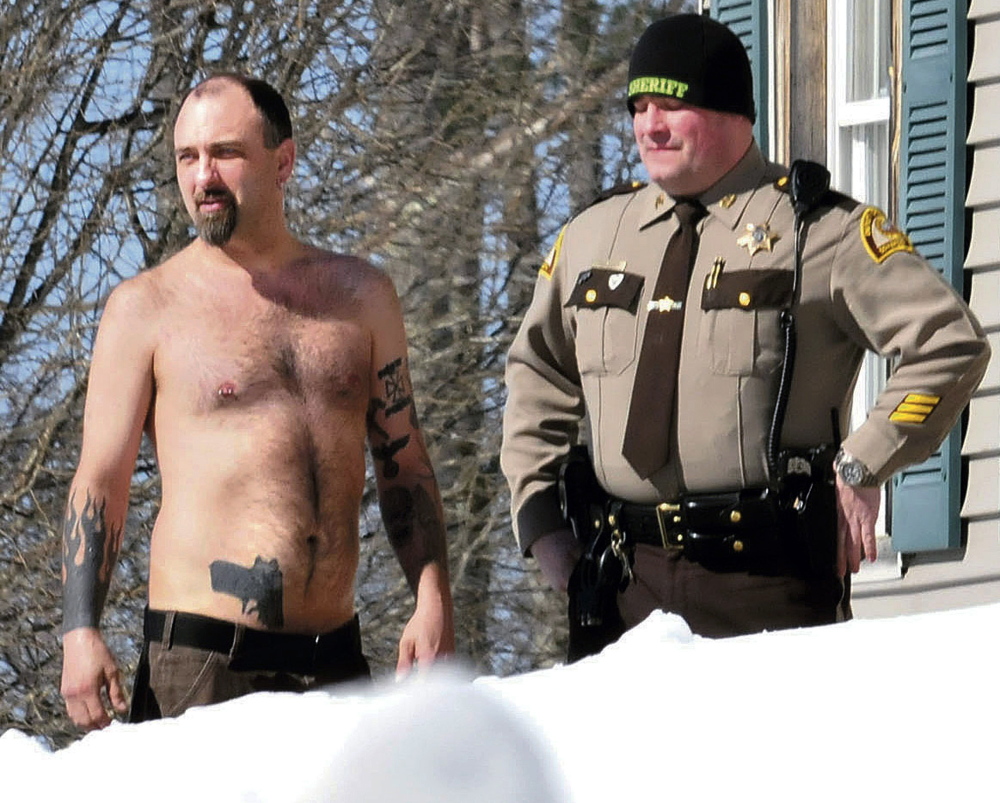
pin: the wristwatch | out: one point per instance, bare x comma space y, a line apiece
852, 471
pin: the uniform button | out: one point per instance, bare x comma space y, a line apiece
735, 517
744, 299
597, 524
611, 520
737, 546
591, 296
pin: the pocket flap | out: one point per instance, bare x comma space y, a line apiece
749, 289
600, 287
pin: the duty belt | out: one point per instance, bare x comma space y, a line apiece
729, 528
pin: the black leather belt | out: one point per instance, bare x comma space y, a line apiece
335, 654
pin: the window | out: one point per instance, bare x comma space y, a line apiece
860, 58
859, 151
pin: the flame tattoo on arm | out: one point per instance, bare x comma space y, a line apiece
89, 550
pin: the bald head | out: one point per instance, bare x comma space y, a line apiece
277, 122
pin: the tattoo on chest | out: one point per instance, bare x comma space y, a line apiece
258, 588
89, 550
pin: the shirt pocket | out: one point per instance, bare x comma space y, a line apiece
741, 327
605, 301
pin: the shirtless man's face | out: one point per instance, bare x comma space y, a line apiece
227, 177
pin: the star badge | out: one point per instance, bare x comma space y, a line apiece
759, 237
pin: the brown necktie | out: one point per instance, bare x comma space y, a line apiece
647, 433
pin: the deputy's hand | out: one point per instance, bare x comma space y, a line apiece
91, 683
557, 553
857, 512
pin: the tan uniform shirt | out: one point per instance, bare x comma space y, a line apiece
571, 367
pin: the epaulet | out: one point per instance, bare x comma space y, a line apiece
837, 198
833, 197
814, 187
619, 189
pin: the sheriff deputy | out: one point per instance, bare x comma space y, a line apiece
656, 337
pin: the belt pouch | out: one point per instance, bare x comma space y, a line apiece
749, 511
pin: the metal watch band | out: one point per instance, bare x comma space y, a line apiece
852, 471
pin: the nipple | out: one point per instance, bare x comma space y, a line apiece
227, 391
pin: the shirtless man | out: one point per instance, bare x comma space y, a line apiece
257, 365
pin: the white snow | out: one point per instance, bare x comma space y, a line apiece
886, 709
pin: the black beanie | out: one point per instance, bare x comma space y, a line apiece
695, 59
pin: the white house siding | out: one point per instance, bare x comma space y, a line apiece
981, 448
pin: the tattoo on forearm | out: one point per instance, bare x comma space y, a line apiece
397, 386
408, 513
89, 550
386, 452
259, 588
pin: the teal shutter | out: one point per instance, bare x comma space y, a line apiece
926, 498
748, 20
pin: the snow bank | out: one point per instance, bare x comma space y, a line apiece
884, 709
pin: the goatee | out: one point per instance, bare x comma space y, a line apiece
216, 227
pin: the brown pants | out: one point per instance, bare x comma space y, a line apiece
718, 604
171, 679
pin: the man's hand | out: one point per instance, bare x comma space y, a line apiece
557, 554
430, 633
91, 683
857, 512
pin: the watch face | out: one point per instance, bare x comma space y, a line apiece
852, 472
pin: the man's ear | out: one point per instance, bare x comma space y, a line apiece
286, 160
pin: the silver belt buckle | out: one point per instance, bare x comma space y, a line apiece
667, 517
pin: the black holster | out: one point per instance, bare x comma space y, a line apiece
808, 495
594, 619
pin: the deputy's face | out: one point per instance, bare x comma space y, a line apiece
686, 149
223, 168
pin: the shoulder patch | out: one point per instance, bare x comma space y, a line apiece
549, 264
880, 237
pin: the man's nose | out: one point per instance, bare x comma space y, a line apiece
653, 120
207, 170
